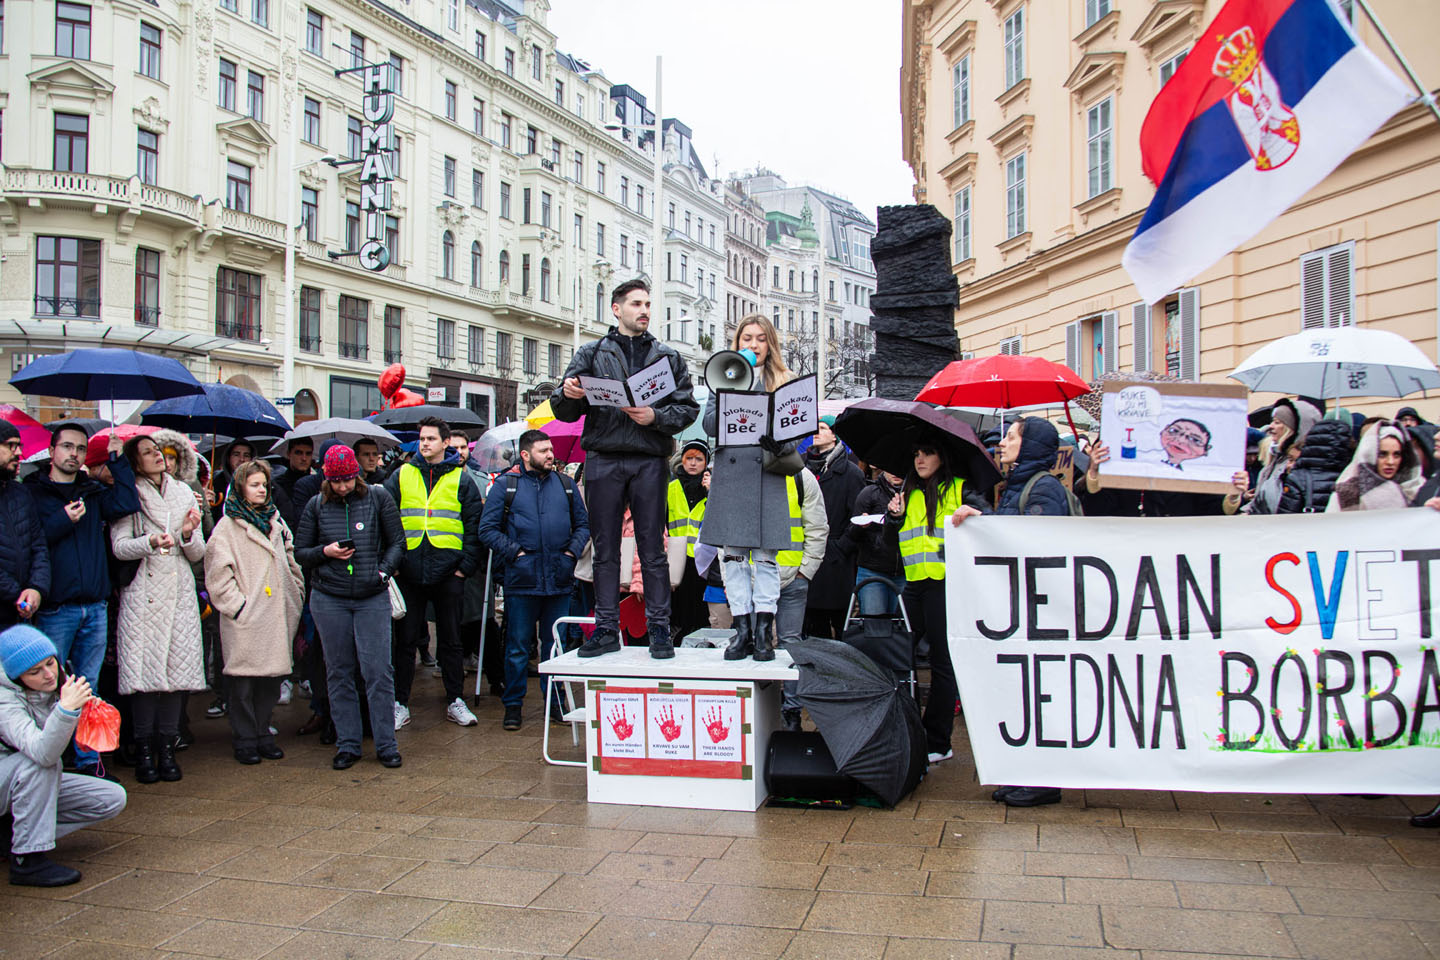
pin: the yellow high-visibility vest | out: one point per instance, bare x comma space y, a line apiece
435, 514
683, 521
922, 547
796, 553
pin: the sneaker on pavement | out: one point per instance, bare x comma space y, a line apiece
512, 718
472, 663
426, 660
437, 672
1032, 796
216, 709
402, 715
391, 760
304, 688
938, 757
38, 870
457, 712
600, 642
286, 690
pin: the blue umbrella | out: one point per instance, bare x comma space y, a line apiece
106, 374
220, 408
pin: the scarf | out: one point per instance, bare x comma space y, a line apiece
1360, 486
693, 487
238, 508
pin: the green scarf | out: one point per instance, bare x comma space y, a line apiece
238, 508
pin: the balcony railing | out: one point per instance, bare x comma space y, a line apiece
67, 307
355, 351
394, 356
243, 222
89, 187
238, 330
147, 316
310, 344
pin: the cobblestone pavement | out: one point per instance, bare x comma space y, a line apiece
477, 849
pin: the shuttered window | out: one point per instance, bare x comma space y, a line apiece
1110, 343
1010, 347
1189, 334
1327, 287
1072, 346
1140, 336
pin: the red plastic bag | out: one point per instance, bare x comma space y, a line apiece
99, 726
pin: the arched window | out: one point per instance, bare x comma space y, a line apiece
307, 407
545, 279
447, 255
477, 264
504, 266
814, 281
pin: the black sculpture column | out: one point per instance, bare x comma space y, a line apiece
914, 302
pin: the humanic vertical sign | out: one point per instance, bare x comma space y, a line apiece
377, 145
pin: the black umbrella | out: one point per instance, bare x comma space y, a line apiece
406, 418
872, 729
91, 425
884, 433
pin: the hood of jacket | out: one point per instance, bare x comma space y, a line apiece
187, 467
1307, 412
1039, 445
1326, 448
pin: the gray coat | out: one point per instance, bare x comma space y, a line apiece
747, 507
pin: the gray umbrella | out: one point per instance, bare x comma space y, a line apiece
872, 730
344, 429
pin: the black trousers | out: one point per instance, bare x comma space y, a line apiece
687, 603
156, 714
613, 482
251, 701
825, 622
414, 633
925, 603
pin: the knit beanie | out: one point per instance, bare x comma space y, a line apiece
1286, 415
23, 647
828, 420
340, 463
700, 445
8, 432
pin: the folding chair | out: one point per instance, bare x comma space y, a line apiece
573, 713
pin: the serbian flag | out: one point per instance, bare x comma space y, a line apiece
1275, 94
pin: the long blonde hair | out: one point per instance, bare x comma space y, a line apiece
775, 371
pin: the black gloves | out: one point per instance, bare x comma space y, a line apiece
771, 446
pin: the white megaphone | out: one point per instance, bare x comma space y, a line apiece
729, 370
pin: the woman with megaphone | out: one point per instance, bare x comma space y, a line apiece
753, 512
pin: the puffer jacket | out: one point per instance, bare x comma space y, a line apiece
24, 558
546, 522
1039, 444
1306, 488
607, 430
33, 723
368, 517
78, 549
427, 563
1271, 479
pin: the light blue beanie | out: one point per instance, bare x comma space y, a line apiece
23, 647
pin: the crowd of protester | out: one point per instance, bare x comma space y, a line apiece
147, 580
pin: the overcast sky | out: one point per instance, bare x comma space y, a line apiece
808, 88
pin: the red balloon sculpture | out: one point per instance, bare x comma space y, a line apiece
406, 398
391, 380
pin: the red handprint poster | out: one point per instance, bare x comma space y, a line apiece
622, 724
717, 728
672, 726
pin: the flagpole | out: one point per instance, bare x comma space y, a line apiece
1425, 95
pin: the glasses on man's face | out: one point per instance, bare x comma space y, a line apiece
69, 447
14, 445
1180, 433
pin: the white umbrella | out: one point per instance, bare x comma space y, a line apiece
344, 429
1336, 362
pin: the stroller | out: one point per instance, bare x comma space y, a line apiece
884, 637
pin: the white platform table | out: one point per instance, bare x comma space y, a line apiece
690, 731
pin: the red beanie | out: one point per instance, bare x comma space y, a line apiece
340, 463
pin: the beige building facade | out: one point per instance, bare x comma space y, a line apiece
1021, 122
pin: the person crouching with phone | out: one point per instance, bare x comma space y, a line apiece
38, 714
352, 540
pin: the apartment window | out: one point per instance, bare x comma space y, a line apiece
1094, 10
397, 74
72, 30
72, 143
227, 85
237, 304
357, 49
789, 280
232, 5
532, 140
444, 338
624, 250
560, 93
832, 287
447, 255
310, 128
775, 280
579, 231
150, 50
1100, 146
580, 105
394, 334
147, 287
310, 213
504, 266
477, 263
392, 237
639, 255
535, 63
640, 199
600, 178
449, 166
509, 62
255, 95
529, 357
452, 104
525, 274
552, 361
625, 191
1015, 48
314, 32
504, 200
578, 173
1015, 196
67, 277
309, 329
503, 352
352, 226
260, 12
452, 14
544, 209
237, 186
354, 316
147, 162
353, 126
479, 44
477, 116
395, 155
545, 279
475, 345
960, 90
477, 188
1327, 287
685, 269
599, 239
525, 205
1168, 68
671, 212
505, 130
687, 223
712, 236
555, 149
712, 286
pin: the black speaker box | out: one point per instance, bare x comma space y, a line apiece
798, 764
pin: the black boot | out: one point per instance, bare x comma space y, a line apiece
38, 870
600, 642
165, 760
764, 624
791, 720
742, 646
661, 646
145, 771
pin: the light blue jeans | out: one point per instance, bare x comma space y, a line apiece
78, 632
876, 598
789, 625
747, 595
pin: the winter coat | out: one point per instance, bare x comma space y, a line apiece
840, 484
1360, 486
546, 522
1307, 486
32, 723
607, 430
81, 571
747, 507
1271, 480
257, 589
371, 519
158, 623
427, 563
24, 558
1039, 444
874, 545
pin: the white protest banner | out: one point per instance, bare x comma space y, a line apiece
795, 409
1293, 654
655, 382
603, 392
744, 417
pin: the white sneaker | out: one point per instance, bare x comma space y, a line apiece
937, 757
457, 712
402, 715
286, 688
304, 688
472, 663
273, 731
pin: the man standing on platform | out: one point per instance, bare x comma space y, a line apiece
626, 450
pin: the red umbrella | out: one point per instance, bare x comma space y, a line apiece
97, 453
566, 437
34, 437
1003, 383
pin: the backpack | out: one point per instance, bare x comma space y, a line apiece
1075, 509
512, 488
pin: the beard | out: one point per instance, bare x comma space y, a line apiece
8, 471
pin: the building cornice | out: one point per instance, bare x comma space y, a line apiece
1169, 23
959, 41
